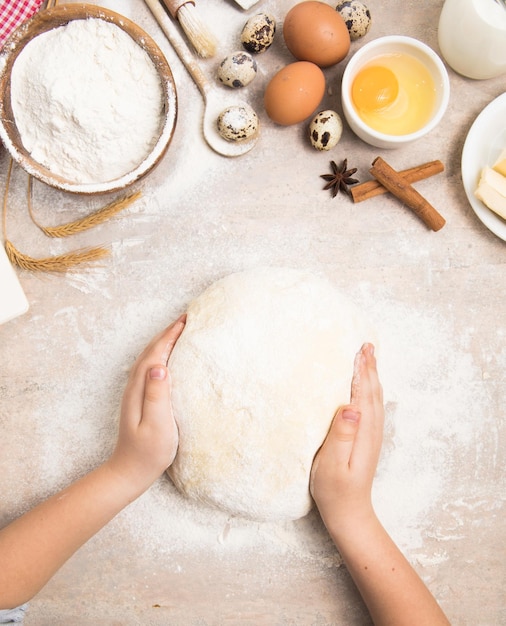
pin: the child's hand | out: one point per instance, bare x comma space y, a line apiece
344, 467
148, 436
341, 482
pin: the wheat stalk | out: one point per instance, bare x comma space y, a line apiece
63, 262
85, 223
60, 263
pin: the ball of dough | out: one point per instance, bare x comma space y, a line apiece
263, 363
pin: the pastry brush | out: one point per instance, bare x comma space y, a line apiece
196, 31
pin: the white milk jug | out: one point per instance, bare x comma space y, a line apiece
472, 37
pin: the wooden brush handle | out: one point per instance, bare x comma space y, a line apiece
173, 6
177, 42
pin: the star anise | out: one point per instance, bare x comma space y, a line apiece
340, 178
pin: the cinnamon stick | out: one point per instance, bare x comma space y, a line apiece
372, 188
395, 183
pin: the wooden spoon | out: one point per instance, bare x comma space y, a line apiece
213, 104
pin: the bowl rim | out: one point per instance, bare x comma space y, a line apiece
60, 15
409, 43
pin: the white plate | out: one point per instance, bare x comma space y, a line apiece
484, 142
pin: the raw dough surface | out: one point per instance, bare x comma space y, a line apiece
263, 363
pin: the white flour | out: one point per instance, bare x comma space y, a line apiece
87, 101
429, 382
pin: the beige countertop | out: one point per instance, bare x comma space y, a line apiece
437, 300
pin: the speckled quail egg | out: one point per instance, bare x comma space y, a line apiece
258, 33
356, 16
237, 69
325, 130
238, 123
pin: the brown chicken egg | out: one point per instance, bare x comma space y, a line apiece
314, 31
294, 93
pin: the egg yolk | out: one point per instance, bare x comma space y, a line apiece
394, 94
374, 88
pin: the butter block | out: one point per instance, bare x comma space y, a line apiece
491, 190
500, 165
13, 301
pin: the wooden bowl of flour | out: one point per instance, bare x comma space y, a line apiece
101, 136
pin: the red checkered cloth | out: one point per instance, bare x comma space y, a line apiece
13, 12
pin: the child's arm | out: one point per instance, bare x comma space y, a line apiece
36, 545
341, 482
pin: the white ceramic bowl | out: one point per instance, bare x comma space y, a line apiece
60, 15
388, 45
